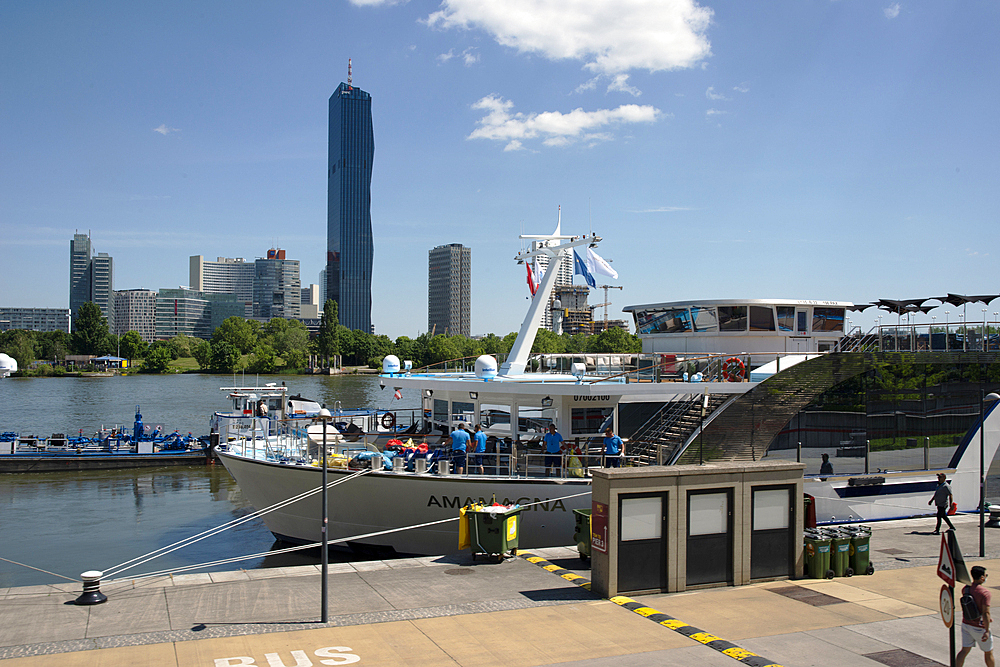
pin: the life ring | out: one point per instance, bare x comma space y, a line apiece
388, 421
733, 369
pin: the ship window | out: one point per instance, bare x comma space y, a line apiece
786, 318
704, 318
828, 319
463, 413
732, 318
761, 318
589, 420
671, 320
440, 411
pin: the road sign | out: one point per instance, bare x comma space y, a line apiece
946, 564
947, 606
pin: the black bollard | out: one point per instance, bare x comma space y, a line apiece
91, 588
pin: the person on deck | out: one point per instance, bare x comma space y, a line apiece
942, 498
826, 468
553, 450
480, 437
976, 631
459, 442
612, 449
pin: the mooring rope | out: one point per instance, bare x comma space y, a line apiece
340, 540
30, 567
180, 544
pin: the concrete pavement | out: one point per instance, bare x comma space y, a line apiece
453, 611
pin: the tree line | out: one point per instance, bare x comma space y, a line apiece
285, 345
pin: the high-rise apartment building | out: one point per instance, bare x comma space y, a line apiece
135, 310
349, 247
277, 289
91, 278
563, 279
35, 319
193, 313
449, 289
224, 276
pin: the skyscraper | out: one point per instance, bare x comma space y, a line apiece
449, 289
80, 253
225, 276
91, 278
349, 247
277, 290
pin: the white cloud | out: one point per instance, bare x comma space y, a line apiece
715, 112
712, 95
610, 36
588, 85
469, 56
554, 128
742, 88
163, 129
620, 84
663, 209
892, 11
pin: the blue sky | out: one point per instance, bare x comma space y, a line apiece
810, 149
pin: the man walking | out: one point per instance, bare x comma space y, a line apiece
942, 498
480, 450
976, 631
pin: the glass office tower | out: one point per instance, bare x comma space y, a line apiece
349, 247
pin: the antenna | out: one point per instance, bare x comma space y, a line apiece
349, 87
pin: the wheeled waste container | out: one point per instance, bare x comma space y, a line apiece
582, 533
859, 556
840, 546
494, 530
817, 550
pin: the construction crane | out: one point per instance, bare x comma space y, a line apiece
606, 302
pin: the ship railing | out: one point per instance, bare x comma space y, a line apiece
959, 336
570, 465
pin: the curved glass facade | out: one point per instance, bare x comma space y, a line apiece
686, 319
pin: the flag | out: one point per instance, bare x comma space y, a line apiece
398, 395
598, 264
579, 268
532, 285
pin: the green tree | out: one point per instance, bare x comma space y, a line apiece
328, 339
157, 360
238, 332
202, 353
225, 356
262, 360
294, 358
52, 345
441, 348
547, 342
132, 346
164, 345
19, 344
615, 340
90, 331
181, 345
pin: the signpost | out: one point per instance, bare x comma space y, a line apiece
951, 568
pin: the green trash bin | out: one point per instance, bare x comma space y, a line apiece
859, 557
840, 546
582, 533
494, 530
817, 550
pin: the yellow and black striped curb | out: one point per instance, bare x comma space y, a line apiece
706, 638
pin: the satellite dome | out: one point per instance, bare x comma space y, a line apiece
486, 367
390, 364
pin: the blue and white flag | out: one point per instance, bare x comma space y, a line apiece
580, 269
598, 264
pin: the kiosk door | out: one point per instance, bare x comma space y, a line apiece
771, 553
710, 536
642, 542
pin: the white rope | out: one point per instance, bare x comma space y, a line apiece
170, 548
236, 559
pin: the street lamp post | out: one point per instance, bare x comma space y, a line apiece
990, 398
324, 415
946, 344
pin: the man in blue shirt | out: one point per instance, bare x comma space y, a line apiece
612, 449
480, 438
553, 450
459, 440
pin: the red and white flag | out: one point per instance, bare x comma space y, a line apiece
398, 395
532, 285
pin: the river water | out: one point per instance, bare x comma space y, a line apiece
69, 522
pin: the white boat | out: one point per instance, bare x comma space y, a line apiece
693, 352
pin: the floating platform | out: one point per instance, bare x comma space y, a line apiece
56, 461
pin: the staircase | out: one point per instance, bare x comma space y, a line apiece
667, 430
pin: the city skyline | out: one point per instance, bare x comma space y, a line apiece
801, 150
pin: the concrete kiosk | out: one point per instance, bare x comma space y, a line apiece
674, 528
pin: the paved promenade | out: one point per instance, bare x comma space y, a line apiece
453, 611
